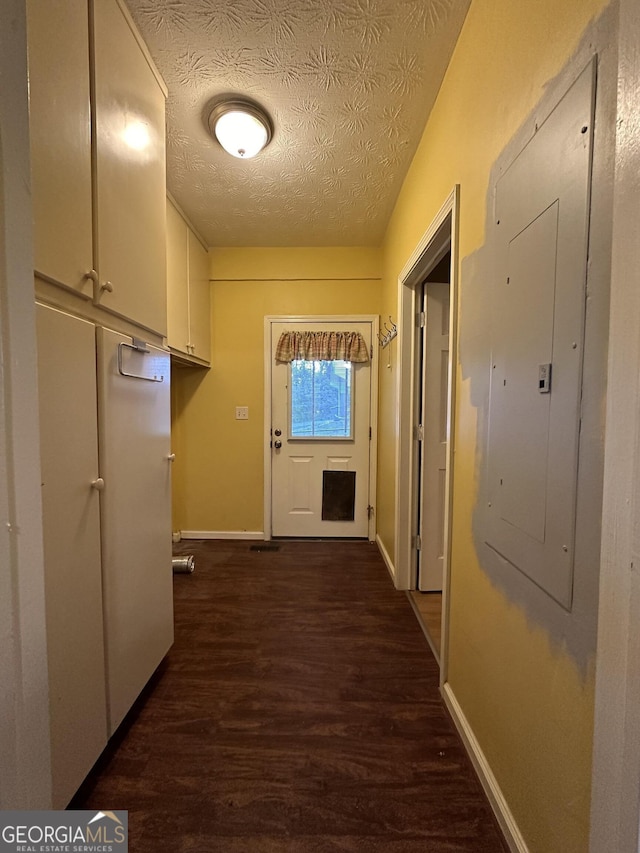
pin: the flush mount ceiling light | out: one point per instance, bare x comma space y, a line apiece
242, 127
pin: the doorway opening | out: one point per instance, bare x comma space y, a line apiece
426, 394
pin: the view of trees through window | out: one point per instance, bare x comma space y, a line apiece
321, 399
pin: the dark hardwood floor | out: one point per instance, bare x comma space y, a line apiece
298, 712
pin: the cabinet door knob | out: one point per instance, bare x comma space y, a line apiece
107, 286
171, 457
98, 484
93, 275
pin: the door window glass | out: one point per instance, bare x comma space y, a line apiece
321, 398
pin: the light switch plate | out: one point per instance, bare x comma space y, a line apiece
242, 413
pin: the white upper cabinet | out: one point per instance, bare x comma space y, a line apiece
60, 120
98, 152
130, 173
177, 281
199, 300
188, 298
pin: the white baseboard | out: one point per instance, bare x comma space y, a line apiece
488, 781
222, 534
427, 636
387, 559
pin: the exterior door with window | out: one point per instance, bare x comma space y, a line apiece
320, 429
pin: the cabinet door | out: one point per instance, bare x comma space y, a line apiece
71, 521
199, 300
177, 282
130, 173
60, 123
134, 428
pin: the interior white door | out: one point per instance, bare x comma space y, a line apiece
434, 446
309, 497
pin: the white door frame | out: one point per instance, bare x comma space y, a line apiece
615, 806
427, 251
25, 781
374, 319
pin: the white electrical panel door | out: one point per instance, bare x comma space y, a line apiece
135, 462
71, 528
541, 239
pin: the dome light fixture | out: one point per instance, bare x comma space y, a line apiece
241, 126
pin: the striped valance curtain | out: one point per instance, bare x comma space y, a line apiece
322, 346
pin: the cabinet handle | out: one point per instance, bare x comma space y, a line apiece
171, 457
137, 345
98, 484
93, 275
107, 286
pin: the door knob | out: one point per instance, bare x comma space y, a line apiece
98, 484
277, 432
277, 445
171, 457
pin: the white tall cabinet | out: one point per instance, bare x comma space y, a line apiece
135, 462
71, 518
98, 182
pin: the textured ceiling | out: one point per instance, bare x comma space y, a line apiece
348, 84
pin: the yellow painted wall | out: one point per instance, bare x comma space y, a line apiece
527, 703
218, 476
